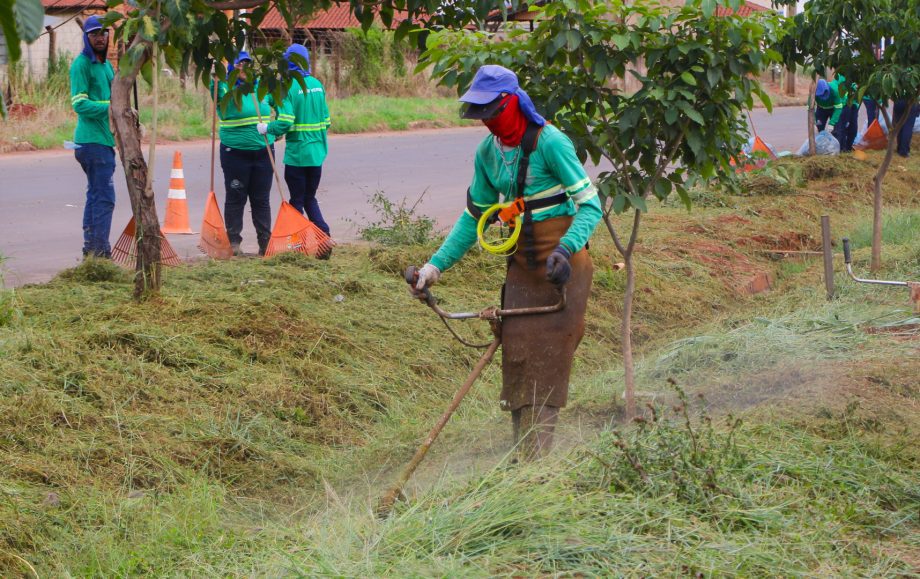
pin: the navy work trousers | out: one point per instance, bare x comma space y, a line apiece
824, 115
303, 182
247, 176
907, 131
849, 120
98, 162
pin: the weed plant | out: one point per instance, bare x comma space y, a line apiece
398, 223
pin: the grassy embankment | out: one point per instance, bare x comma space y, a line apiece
238, 424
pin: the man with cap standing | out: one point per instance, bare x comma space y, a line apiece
560, 211
307, 145
90, 91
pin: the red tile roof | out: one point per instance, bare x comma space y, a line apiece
53, 5
744, 10
338, 17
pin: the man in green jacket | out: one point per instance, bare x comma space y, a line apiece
307, 145
90, 90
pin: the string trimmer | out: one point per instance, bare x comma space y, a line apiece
914, 287
493, 315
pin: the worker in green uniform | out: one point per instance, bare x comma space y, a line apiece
90, 91
561, 210
244, 157
831, 99
306, 143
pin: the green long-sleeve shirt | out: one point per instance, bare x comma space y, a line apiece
90, 93
836, 99
307, 145
554, 167
238, 125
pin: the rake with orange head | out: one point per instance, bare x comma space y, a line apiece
214, 240
292, 231
125, 249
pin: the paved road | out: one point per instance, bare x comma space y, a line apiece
41, 194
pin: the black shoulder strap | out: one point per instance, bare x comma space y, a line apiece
528, 144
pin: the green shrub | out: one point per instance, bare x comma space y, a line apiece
399, 223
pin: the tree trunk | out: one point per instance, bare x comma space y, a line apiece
812, 146
128, 139
894, 127
629, 375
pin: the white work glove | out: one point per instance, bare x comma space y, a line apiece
262, 128
830, 128
428, 275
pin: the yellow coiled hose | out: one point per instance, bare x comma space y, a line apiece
505, 246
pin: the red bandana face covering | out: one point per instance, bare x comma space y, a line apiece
509, 125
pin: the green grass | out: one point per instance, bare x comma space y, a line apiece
899, 226
243, 422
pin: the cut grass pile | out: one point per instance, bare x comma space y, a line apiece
202, 433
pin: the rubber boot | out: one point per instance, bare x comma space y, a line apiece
533, 428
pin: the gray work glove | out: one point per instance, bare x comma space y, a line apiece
558, 268
428, 275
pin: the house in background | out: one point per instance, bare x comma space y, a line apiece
63, 34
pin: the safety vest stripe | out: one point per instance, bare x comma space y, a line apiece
545, 193
585, 196
288, 118
79, 97
239, 122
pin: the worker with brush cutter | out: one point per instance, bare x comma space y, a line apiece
553, 208
94, 145
244, 159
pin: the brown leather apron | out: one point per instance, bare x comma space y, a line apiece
537, 350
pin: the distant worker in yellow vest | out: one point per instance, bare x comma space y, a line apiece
306, 141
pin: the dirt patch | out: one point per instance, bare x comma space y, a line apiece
784, 241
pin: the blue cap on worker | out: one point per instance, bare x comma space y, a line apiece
822, 90
243, 55
92, 23
490, 81
301, 51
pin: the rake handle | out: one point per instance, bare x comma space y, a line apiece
213, 127
271, 156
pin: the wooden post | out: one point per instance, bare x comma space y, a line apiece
828, 256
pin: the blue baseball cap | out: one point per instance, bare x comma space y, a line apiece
822, 90
243, 55
92, 23
301, 51
484, 98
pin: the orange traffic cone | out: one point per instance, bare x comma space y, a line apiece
214, 240
176, 202
125, 250
294, 232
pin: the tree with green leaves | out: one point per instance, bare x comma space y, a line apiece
697, 75
20, 21
875, 43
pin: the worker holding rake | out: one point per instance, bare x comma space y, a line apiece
554, 208
244, 159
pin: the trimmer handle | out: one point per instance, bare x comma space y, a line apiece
846, 250
411, 276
